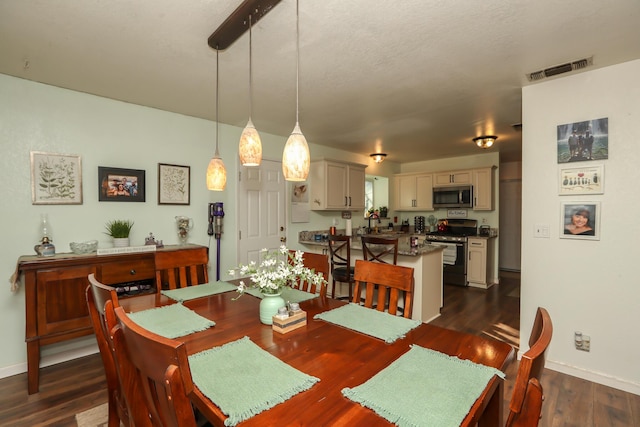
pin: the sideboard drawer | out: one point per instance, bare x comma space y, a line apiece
113, 273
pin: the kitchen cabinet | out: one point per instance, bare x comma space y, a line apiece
56, 306
480, 269
483, 189
337, 185
413, 192
443, 179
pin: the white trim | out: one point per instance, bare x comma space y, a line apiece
52, 359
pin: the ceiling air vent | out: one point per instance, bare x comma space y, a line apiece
560, 69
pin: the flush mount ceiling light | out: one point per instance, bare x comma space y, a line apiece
378, 157
296, 158
485, 141
216, 172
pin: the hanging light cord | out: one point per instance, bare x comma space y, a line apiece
250, 74
297, 61
217, 154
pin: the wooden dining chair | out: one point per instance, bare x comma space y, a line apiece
100, 300
179, 269
340, 260
529, 415
388, 282
319, 263
379, 249
162, 368
531, 363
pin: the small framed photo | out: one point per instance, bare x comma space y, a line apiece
580, 220
56, 179
587, 180
174, 184
120, 185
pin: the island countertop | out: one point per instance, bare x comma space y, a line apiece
404, 248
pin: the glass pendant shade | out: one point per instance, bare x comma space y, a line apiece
250, 149
296, 158
216, 174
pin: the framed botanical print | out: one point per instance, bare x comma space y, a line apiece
121, 185
174, 184
56, 179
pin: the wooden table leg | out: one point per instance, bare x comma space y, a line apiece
33, 366
492, 415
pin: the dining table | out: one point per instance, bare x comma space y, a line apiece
340, 357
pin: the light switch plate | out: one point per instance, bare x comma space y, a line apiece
541, 231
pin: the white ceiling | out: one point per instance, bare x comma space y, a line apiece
417, 79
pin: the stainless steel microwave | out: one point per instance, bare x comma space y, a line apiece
453, 197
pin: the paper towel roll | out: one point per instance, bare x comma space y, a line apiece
347, 228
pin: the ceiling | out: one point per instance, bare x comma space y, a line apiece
417, 79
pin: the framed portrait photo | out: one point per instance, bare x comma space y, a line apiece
174, 184
586, 180
580, 220
120, 185
583, 141
56, 179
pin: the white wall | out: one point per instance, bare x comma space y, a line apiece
587, 286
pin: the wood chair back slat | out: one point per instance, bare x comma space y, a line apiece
378, 248
179, 269
319, 263
390, 281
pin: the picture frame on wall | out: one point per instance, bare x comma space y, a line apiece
174, 184
56, 179
585, 180
583, 141
580, 220
121, 185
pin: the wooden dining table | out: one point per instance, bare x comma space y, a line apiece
338, 356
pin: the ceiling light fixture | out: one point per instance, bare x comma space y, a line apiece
250, 148
378, 157
295, 157
485, 141
216, 172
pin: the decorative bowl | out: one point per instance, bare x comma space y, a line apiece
84, 247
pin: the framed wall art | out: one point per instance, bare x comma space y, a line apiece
587, 180
174, 184
120, 185
583, 141
56, 179
580, 220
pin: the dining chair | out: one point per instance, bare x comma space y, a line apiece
531, 363
162, 368
340, 260
179, 269
378, 248
388, 282
319, 263
529, 415
98, 296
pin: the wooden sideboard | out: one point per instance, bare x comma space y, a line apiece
56, 307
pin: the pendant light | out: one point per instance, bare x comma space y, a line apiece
216, 172
296, 157
250, 149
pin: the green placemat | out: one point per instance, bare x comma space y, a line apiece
288, 294
199, 291
424, 388
244, 380
171, 321
369, 321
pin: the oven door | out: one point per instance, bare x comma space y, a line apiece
454, 268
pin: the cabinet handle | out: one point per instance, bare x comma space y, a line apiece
345, 201
349, 200
132, 272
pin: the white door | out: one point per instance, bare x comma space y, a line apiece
261, 210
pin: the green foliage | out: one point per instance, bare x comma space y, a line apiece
118, 228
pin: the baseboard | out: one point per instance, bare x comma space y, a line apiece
52, 359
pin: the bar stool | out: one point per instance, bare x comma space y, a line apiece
341, 269
376, 248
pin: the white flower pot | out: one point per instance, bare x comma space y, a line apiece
120, 242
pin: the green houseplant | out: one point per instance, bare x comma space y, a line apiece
119, 230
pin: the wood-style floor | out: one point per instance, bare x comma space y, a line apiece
75, 386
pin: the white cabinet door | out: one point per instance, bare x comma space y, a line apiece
405, 192
477, 262
442, 179
336, 185
483, 189
414, 192
424, 192
356, 188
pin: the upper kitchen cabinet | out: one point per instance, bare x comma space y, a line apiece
483, 189
413, 192
442, 179
337, 185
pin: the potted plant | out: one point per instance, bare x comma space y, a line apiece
383, 211
119, 230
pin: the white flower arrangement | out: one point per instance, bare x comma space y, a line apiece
276, 270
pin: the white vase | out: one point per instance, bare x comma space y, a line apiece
120, 242
269, 306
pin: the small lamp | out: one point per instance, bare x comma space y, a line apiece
485, 141
378, 157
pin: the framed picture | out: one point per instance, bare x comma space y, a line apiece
174, 184
583, 141
580, 220
56, 179
120, 185
588, 180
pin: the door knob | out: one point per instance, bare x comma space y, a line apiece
283, 239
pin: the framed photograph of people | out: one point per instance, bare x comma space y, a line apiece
56, 179
121, 185
587, 180
580, 220
583, 141
174, 184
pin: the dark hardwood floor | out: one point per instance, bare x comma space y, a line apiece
78, 385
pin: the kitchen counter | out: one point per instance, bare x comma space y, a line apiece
404, 248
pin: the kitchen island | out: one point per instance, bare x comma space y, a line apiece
426, 261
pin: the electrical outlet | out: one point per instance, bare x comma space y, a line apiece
582, 342
586, 343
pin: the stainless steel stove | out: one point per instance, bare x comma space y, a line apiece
455, 254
